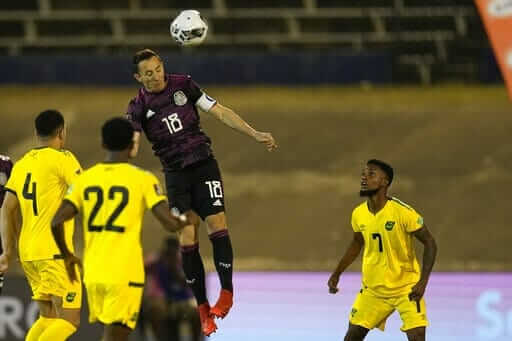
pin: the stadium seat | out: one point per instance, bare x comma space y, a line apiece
319, 25
435, 3
89, 4
56, 28
25, 5
174, 4
418, 24
356, 4
247, 25
11, 28
237, 4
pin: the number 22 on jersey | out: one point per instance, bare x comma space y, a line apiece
99, 196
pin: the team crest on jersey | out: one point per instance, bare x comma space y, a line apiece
180, 98
3, 178
389, 225
71, 296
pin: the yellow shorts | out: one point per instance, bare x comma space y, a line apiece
49, 278
111, 303
370, 311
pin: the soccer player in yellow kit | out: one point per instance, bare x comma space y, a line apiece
391, 276
112, 197
38, 182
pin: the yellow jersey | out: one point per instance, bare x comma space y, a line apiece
40, 180
390, 266
113, 198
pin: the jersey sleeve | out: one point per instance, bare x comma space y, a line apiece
135, 113
70, 168
73, 194
153, 193
198, 96
412, 220
353, 221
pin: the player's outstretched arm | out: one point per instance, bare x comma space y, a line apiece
8, 229
233, 120
348, 258
169, 221
65, 212
429, 258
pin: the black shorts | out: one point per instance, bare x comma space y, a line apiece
196, 187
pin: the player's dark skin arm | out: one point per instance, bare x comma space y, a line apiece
348, 258
429, 258
65, 212
169, 222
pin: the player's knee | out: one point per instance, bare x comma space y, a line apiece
216, 222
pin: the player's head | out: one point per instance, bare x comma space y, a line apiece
376, 176
117, 135
148, 69
50, 127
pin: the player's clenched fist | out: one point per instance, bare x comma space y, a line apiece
267, 139
333, 283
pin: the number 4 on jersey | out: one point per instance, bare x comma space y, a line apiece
30, 193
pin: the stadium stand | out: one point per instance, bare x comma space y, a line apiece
437, 40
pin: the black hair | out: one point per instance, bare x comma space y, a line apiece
141, 55
386, 168
117, 134
48, 122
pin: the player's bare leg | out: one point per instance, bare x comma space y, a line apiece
416, 334
116, 332
355, 333
65, 323
223, 258
47, 314
194, 270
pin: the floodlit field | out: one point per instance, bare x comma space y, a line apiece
290, 210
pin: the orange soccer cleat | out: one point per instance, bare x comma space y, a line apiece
224, 303
207, 323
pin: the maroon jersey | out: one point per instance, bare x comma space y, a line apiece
171, 122
5, 172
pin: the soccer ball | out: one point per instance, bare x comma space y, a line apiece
189, 28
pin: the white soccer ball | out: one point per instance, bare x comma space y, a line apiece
189, 28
